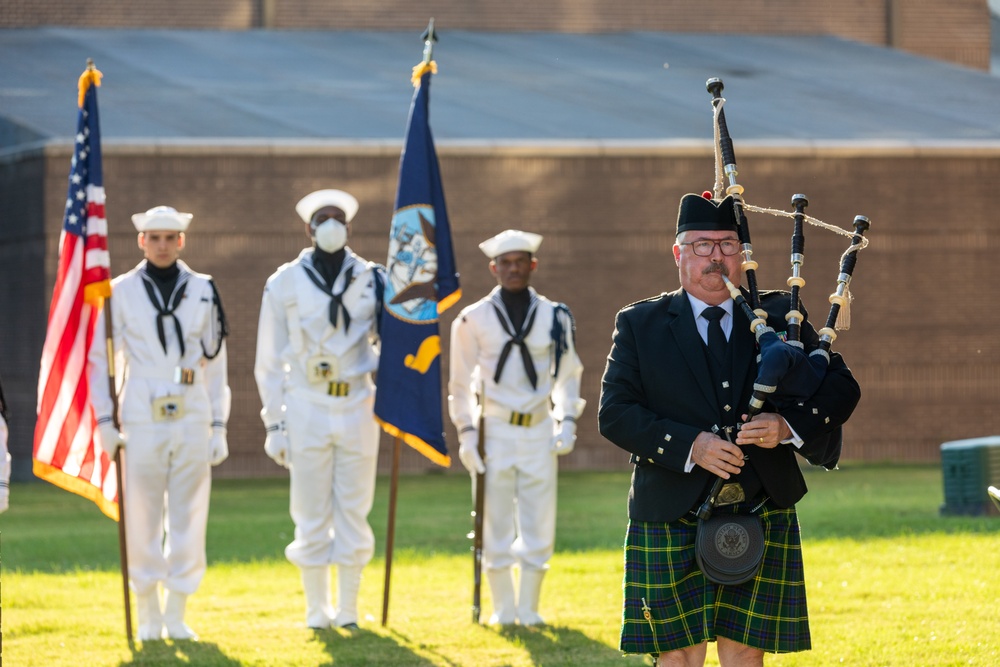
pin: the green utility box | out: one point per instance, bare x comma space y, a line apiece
970, 467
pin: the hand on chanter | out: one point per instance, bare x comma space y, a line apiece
716, 455
766, 430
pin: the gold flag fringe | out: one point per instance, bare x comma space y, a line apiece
420, 70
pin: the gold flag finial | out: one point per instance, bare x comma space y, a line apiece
427, 64
91, 75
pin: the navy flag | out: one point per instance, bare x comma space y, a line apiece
421, 283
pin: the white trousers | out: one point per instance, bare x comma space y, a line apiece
168, 483
519, 522
334, 456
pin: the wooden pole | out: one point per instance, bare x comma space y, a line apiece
119, 462
121, 544
478, 516
391, 528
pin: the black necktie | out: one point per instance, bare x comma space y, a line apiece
716, 338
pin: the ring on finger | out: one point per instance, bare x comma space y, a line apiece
761, 440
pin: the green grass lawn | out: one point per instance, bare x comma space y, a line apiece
890, 581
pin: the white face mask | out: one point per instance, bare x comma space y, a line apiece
331, 235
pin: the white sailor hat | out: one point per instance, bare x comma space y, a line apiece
165, 218
511, 240
314, 201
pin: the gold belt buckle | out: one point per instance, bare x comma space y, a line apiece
520, 418
184, 375
339, 388
730, 494
168, 408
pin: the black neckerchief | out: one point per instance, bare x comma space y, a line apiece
516, 306
165, 279
165, 292
328, 263
323, 263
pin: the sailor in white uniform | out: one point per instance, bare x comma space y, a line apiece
316, 351
170, 360
517, 348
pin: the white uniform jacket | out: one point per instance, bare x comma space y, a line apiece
145, 371
477, 339
294, 331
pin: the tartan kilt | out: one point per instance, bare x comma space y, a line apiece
685, 609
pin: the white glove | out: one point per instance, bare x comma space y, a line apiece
110, 438
276, 446
4, 467
218, 446
468, 454
4, 482
564, 437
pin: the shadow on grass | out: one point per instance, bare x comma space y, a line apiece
179, 653
358, 648
553, 644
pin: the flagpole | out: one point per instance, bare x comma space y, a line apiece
113, 392
112, 388
391, 528
428, 38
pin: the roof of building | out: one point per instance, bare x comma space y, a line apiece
294, 86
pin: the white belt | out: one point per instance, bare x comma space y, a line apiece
536, 416
176, 375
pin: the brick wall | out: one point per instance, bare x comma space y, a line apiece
955, 31
865, 21
194, 14
926, 375
24, 293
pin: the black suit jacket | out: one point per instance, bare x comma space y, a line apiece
656, 397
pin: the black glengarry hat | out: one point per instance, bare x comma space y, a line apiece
697, 212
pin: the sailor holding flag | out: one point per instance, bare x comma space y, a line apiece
168, 333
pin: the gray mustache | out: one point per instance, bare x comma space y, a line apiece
716, 268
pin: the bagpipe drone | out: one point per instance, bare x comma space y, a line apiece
786, 372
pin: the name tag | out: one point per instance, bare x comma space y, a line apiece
322, 368
168, 408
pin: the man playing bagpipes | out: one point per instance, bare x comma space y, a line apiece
673, 394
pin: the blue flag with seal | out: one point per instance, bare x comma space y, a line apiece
421, 283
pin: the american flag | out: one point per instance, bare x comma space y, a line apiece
66, 452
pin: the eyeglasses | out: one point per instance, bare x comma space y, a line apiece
704, 247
